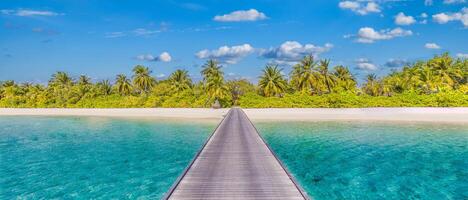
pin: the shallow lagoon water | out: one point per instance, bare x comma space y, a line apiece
353, 160
91, 157
118, 158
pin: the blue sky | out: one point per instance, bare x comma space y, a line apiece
105, 38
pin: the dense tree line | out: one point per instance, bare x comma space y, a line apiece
440, 81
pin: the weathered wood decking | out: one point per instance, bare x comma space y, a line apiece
235, 163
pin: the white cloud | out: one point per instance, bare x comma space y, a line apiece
454, 1
402, 19
163, 57
443, 18
431, 46
369, 35
351, 5
395, 63
462, 55
365, 64
360, 7
139, 32
29, 13
144, 32
293, 51
241, 15
226, 54
424, 18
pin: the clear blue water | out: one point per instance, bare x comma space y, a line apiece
334, 160
112, 158
99, 158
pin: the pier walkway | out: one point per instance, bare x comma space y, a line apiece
235, 163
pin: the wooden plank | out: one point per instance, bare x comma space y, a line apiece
235, 163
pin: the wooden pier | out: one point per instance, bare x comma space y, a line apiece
235, 163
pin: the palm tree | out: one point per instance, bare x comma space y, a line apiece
180, 80
104, 87
371, 87
213, 79
84, 80
123, 85
216, 88
393, 83
142, 79
61, 79
325, 76
83, 86
304, 77
272, 82
344, 78
60, 88
410, 77
211, 69
444, 67
8, 83
427, 80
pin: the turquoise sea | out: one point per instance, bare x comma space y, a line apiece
352, 160
118, 158
94, 158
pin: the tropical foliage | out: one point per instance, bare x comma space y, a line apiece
272, 82
440, 81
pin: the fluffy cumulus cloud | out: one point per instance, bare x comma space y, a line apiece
226, 54
365, 64
395, 63
241, 15
369, 35
163, 57
462, 55
29, 13
360, 7
402, 19
454, 1
423, 16
432, 46
443, 18
293, 51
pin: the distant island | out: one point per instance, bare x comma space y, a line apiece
437, 82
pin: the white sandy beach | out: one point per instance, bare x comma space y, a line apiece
456, 115
166, 113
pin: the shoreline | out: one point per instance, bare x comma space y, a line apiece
147, 113
457, 115
422, 114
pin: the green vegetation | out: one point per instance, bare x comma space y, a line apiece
438, 82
